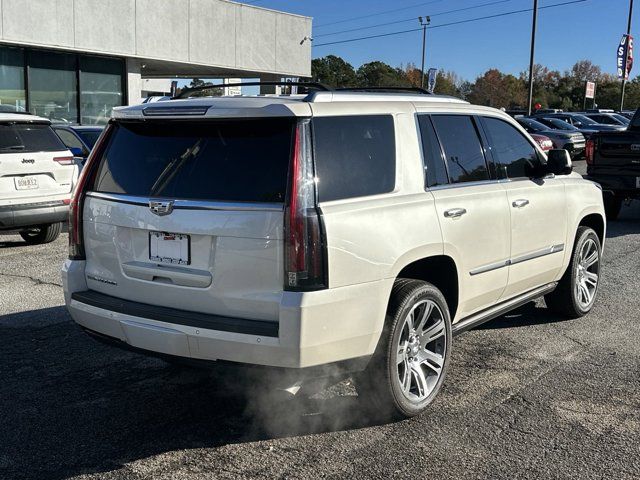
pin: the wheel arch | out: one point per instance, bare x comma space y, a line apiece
596, 222
439, 270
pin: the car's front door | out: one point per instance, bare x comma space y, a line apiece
537, 206
471, 207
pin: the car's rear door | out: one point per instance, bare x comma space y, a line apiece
189, 215
471, 207
537, 206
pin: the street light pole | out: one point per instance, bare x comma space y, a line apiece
533, 50
624, 74
424, 23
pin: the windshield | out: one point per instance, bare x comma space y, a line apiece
559, 124
243, 160
584, 120
29, 137
532, 125
622, 118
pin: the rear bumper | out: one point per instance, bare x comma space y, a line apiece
30, 214
618, 185
314, 328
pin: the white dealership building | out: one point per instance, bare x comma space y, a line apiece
74, 60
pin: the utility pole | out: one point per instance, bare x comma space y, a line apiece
624, 76
533, 51
424, 22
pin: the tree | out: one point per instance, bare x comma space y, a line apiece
196, 82
495, 89
448, 83
333, 71
413, 75
379, 74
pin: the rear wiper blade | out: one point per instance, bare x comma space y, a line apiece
15, 147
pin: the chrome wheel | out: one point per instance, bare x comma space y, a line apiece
421, 350
587, 273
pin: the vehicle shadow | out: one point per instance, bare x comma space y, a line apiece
70, 405
531, 313
10, 239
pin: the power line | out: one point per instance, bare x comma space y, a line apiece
412, 19
378, 13
504, 14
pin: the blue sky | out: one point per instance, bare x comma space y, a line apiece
591, 30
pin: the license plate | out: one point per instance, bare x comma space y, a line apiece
174, 248
26, 183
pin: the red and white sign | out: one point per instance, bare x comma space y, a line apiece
590, 90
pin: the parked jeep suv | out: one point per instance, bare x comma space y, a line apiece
333, 231
37, 175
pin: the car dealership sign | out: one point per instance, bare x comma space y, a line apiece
625, 57
590, 90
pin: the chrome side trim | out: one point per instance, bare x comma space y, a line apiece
501, 308
537, 254
523, 258
191, 204
490, 267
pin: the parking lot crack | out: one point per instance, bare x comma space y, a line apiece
35, 280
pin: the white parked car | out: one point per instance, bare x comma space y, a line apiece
338, 231
37, 175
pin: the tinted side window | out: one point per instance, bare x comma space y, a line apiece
462, 148
514, 155
435, 171
355, 156
69, 139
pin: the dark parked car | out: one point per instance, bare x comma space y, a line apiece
579, 121
608, 118
79, 139
558, 124
573, 142
613, 161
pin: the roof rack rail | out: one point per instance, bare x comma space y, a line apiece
391, 89
186, 93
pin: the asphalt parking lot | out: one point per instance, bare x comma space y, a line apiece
529, 395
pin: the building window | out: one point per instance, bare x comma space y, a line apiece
12, 94
100, 89
52, 86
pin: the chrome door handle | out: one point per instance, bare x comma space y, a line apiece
523, 202
455, 212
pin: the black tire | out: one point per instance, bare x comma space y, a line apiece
42, 234
565, 299
379, 386
612, 206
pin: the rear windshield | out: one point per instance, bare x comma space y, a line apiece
29, 137
244, 160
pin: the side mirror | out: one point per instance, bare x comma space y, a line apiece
559, 162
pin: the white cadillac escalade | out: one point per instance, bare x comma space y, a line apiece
345, 229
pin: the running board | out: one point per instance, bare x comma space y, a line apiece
501, 309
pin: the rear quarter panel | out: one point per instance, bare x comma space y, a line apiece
371, 238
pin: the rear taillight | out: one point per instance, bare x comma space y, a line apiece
63, 160
85, 182
304, 240
589, 151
